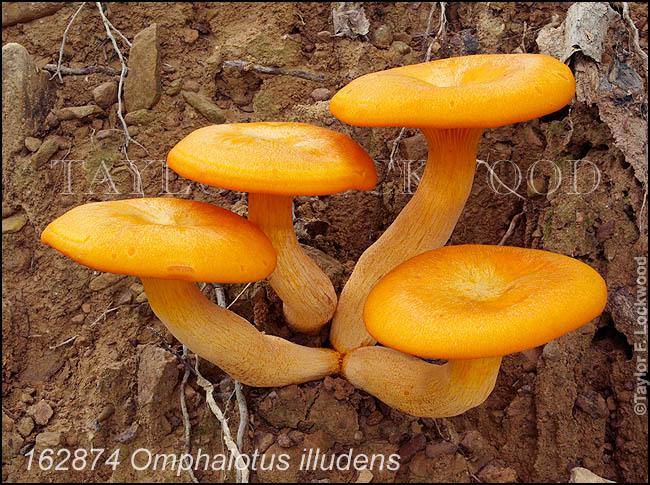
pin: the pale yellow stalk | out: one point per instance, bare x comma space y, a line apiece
421, 388
307, 294
231, 342
425, 223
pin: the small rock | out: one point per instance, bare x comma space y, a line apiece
86, 308
78, 319
411, 447
105, 94
19, 12
127, 435
495, 474
204, 106
191, 85
141, 298
383, 37
104, 280
358, 436
284, 441
25, 426
365, 476
296, 436
125, 298
190, 35
582, 475
32, 144
174, 87
83, 113
143, 84
136, 288
400, 47
473, 442
26, 98
46, 151
51, 121
139, 117
48, 439
13, 224
7, 422
440, 448
265, 440
593, 404
41, 412
321, 94
12, 443
157, 375
324, 36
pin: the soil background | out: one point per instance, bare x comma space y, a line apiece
113, 386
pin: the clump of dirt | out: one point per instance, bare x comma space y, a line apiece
76, 341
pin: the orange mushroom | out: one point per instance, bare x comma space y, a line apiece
452, 101
172, 243
469, 304
275, 162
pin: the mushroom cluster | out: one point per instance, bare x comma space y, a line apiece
470, 304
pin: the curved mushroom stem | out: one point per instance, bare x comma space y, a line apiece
308, 296
231, 342
420, 388
425, 223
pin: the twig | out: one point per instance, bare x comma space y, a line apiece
65, 342
208, 387
79, 71
108, 26
274, 70
511, 228
221, 295
635, 37
241, 399
186, 416
103, 315
243, 414
169, 349
240, 294
65, 34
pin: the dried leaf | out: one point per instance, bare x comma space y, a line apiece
583, 30
349, 19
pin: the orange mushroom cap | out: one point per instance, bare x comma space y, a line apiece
163, 238
474, 301
479, 91
274, 158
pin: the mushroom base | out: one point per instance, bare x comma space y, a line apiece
425, 223
420, 388
307, 294
231, 342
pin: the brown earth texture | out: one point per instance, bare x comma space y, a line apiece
81, 370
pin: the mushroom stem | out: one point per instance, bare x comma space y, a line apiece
231, 342
425, 223
420, 388
308, 296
